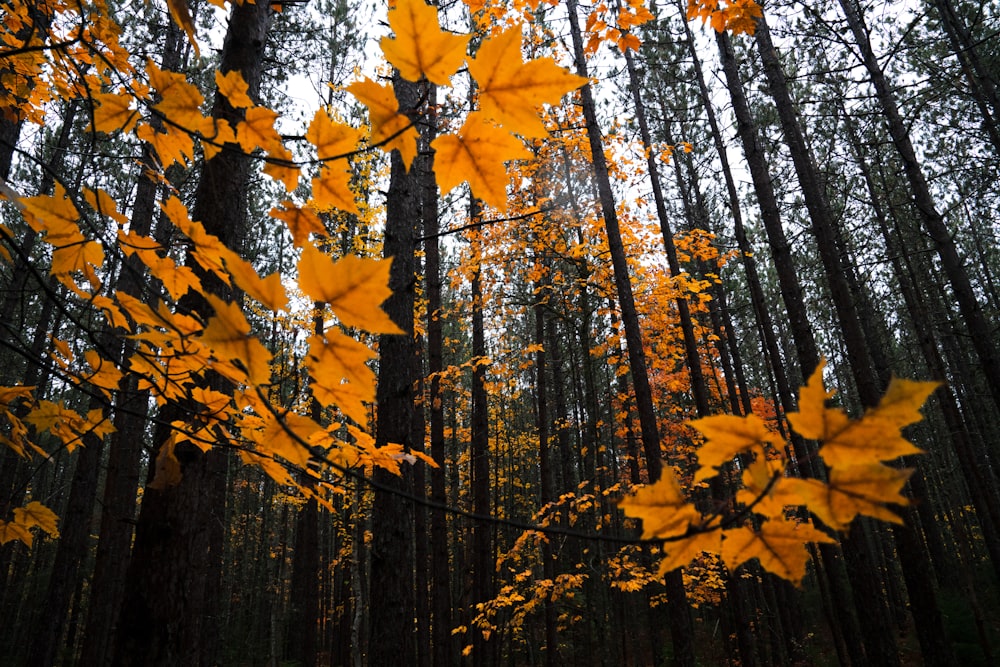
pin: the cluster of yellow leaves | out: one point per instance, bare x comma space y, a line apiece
736, 16
858, 482
22, 423
606, 26
32, 515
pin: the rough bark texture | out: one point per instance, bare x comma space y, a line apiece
392, 629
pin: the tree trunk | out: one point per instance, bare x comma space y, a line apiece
392, 630
681, 625
169, 612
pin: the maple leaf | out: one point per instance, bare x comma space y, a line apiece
354, 287
680, 553
54, 215
256, 130
228, 335
340, 374
105, 376
234, 88
282, 437
37, 515
301, 222
390, 129
420, 48
113, 112
180, 101
664, 510
726, 436
32, 515
269, 291
331, 139
874, 437
332, 190
172, 145
779, 545
477, 154
281, 167
511, 90
862, 489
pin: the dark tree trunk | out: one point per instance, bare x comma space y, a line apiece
169, 614
681, 625
441, 638
392, 630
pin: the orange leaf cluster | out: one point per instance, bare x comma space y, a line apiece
858, 483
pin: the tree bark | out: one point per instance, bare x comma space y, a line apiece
168, 615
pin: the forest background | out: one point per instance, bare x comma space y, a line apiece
393, 373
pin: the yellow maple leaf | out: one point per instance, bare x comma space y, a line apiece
779, 545
106, 375
390, 129
478, 154
680, 553
11, 530
876, 436
862, 489
301, 222
284, 438
54, 215
664, 510
172, 145
726, 436
180, 101
257, 131
420, 48
354, 287
37, 515
176, 279
335, 358
331, 139
332, 190
281, 166
510, 90
113, 112
80, 256
228, 335
269, 291
182, 17
233, 86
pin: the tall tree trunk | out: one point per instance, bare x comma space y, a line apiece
801, 330
482, 547
983, 335
681, 625
441, 638
879, 642
169, 612
392, 631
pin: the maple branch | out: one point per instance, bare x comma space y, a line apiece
483, 223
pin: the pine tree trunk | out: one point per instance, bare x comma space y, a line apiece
681, 626
392, 631
169, 614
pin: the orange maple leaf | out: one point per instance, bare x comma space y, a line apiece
510, 90
420, 48
390, 129
477, 154
352, 286
664, 510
